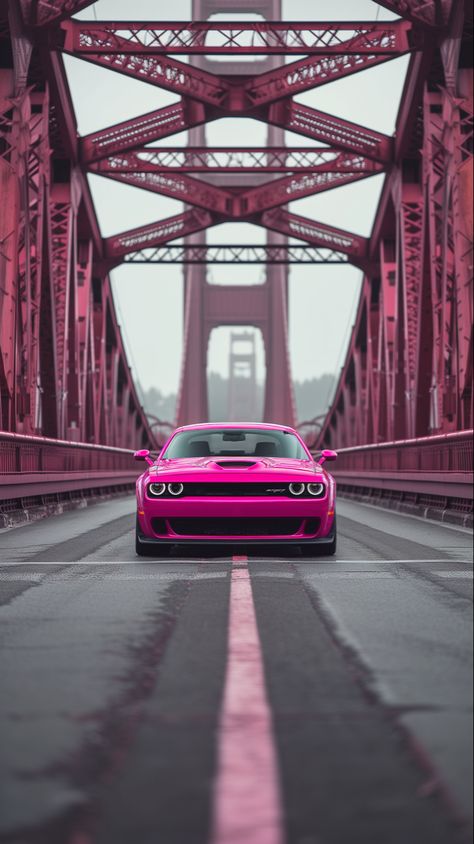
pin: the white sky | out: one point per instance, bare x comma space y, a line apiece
149, 298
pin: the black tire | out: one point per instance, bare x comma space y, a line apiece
143, 550
321, 550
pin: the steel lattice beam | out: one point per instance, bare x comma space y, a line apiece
210, 160
431, 12
235, 95
247, 38
329, 129
147, 128
311, 72
317, 234
167, 73
157, 234
243, 202
236, 254
184, 188
287, 114
408, 370
43, 12
299, 185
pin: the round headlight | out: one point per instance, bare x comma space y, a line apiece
175, 489
315, 489
296, 489
156, 489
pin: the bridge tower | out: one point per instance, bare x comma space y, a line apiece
263, 306
242, 398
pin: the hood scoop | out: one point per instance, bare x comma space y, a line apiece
235, 464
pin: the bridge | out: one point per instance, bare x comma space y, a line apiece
243, 697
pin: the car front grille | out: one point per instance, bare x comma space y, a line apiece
235, 527
235, 489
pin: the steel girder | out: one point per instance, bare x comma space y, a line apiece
285, 114
431, 12
118, 152
243, 202
408, 369
248, 160
63, 369
243, 38
159, 234
45, 12
156, 234
237, 94
236, 254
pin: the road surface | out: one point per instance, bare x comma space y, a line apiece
234, 698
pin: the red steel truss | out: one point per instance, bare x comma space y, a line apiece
245, 38
249, 160
408, 368
243, 202
246, 93
63, 369
42, 12
188, 114
233, 253
278, 220
431, 12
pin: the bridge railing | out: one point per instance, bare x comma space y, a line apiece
430, 472
33, 470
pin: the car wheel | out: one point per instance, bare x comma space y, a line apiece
143, 550
321, 550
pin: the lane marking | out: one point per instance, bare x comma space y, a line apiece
247, 801
195, 560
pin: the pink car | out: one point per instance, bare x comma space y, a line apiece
237, 484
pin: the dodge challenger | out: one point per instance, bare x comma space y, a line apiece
235, 484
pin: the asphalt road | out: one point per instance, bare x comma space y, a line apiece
132, 703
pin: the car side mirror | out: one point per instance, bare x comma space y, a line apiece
327, 454
143, 454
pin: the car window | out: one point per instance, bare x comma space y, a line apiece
235, 442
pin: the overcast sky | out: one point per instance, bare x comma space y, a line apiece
149, 298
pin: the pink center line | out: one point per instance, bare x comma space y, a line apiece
247, 802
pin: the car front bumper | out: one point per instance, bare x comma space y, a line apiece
240, 541
166, 512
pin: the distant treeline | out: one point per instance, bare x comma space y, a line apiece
312, 398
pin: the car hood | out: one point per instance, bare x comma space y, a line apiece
222, 467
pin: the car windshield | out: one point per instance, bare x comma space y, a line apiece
235, 442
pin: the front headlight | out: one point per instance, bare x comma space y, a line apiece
315, 489
175, 488
156, 489
296, 489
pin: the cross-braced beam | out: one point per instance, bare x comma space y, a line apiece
222, 160
227, 38
157, 235
286, 114
236, 254
44, 12
127, 56
431, 12
242, 202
